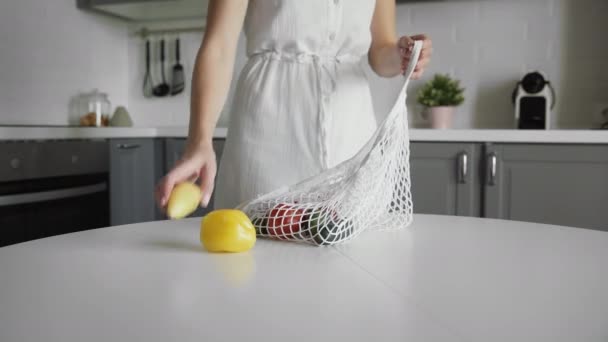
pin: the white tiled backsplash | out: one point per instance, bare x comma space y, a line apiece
50, 51
487, 44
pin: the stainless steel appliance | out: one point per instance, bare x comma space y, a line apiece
52, 188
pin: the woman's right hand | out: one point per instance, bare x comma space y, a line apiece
197, 164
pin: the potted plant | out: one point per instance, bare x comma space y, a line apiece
440, 96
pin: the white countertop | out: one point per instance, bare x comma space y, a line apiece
511, 136
51, 133
430, 135
442, 279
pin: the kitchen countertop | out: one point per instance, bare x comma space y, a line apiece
441, 279
51, 133
430, 135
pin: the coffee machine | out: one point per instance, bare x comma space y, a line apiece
534, 99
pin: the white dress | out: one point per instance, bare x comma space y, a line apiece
302, 102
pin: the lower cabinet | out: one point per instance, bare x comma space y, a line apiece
554, 184
174, 148
445, 178
136, 165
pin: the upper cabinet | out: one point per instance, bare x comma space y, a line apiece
148, 10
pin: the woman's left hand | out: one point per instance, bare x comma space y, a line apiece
406, 46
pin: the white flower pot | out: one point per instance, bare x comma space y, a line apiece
440, 117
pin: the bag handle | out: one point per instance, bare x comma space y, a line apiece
417, 49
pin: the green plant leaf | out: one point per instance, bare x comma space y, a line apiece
442, 90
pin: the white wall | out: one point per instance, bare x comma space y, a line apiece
168, 111
50, 51
489, 45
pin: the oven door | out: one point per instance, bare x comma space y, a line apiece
42, 208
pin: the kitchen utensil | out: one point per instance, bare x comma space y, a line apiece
162, 89
148, 84
534, 98
121, 118
370, 191
177, 79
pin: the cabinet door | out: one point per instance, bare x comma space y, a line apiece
553, 184
133, 177
445, 178
174, 148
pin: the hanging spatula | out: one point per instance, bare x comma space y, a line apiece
148, 85
177, 78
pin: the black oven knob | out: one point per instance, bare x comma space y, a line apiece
15, 163
74, 159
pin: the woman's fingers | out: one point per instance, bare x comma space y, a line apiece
405, 45
181, 173
422, 64
426, 41
207, 182
425, 55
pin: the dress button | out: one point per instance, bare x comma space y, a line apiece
336, 2
332, 36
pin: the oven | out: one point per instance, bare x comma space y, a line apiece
52, 188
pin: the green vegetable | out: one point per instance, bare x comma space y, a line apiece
326, 229
441, 91
261, 225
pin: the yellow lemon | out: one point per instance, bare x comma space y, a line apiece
227, 230
184, 200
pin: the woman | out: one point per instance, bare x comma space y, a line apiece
302, 102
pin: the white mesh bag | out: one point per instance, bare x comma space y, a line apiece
370, 191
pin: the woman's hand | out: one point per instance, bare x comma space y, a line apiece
389, 56
197, 163
406, 46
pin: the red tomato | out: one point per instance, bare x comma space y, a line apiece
284, 220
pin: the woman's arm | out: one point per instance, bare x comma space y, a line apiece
211, 79
213, 67
389, 55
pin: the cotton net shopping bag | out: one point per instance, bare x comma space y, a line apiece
370, 191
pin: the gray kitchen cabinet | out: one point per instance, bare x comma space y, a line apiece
136, 165
445, 178
553, 184
174, 148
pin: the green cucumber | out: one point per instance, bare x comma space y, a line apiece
261, 226
324, 230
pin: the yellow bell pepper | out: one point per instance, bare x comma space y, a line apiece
184, 200
227, 230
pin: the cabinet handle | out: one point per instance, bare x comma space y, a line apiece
127, 146
463, 167
492, 168
36, 197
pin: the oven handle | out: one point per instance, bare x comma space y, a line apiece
44, 196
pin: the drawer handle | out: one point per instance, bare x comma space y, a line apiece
35, 197
127, 146
463, 167
492, 166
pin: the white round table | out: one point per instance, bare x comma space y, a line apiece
442, 279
